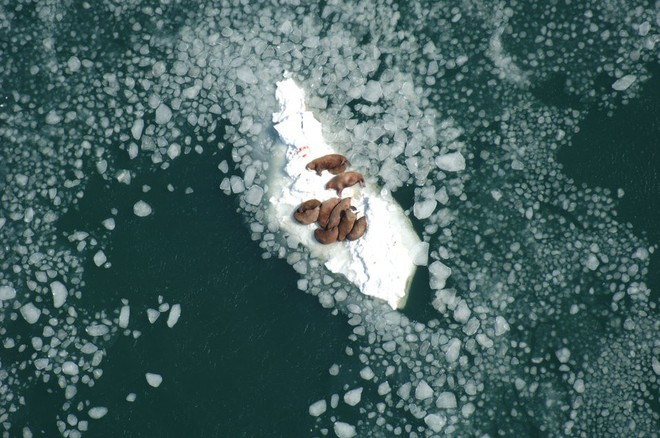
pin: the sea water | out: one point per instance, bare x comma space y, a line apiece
145, 292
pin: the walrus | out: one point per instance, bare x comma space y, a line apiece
335, 215
346, 223
326, 236
308, 212
325, 210
347, 179
359, 228
333, 163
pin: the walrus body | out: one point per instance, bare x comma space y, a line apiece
359, 228
346, 223
326, 209
335, 215
326, 236
333, 163
347, 179
308, 212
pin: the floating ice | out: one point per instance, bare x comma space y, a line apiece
100, 258
97, 412
152, 315
452, 162
439, 273
173, 317
424, 209
59, 292
446, 400
380, 267
353, 396
30, 313
435, 422
344, 430
624, 82
141, 209
131, 397
423, 391
163, 114
124, 315
109, 224
154, 379
7, 293
317, 408
70, 368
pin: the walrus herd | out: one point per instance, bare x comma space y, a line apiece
336, 218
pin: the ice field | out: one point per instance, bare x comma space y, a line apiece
530, 310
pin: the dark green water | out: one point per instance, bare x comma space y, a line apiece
538, 235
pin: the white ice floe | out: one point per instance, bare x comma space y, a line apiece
30, 313
141, 209
382, 262
154, 379
97, 412
7, 293
317, 408
59, 292
344, 430
173, 317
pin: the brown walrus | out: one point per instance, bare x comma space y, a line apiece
346, 223
326, 236
326, 209
333, 163
308, 212
359, 228
347, 179
335, 215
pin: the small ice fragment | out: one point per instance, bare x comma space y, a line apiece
152, 315
501, 326
317, 408
452, 162
435, 422
74, 64
97, 412
424, 209
446, 400
439, 273
423, 391
7, 293
69, 368
173, 151
592, 262
353, 396
141, 209
462, 312
367, 373
97, 330
173, 317
136, 130
624, 82
453, 350
344, 430
484, 340
384, 388
109, 224
154, 379
421, 254
254, 195
131, 397
563, 354
30, 313
655, 364
124, 315
245, 74
100, 258
163, 114
372, 91
59, 292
